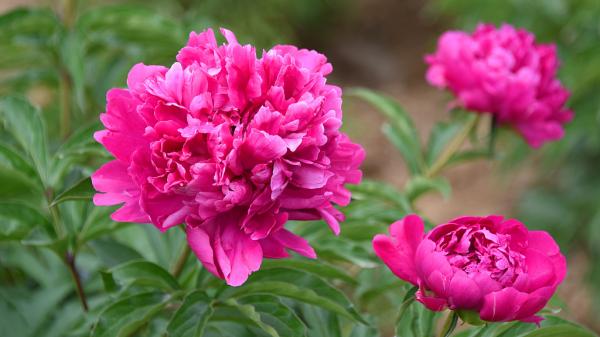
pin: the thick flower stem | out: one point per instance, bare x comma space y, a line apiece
453, 147
70, 261
180, 263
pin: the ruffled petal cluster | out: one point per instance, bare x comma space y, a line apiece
233, 146
488, 265
504, 72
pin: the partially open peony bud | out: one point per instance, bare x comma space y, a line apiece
231, 144
504, 72
487, 265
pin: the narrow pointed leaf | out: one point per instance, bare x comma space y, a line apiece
401, 130
81, 190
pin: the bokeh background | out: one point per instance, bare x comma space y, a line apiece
378, 44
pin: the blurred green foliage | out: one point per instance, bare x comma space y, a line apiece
565, 199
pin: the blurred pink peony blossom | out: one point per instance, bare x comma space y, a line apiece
488, 265
231, 145
504, 72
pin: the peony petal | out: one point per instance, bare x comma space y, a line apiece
398, 251
503, 305
463, 292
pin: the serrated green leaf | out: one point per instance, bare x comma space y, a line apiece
192, 316
143, 273
25, 124
297, 285
126, 315
419, 185
402, 130
81, 190
18, 219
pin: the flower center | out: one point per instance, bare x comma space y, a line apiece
475, 249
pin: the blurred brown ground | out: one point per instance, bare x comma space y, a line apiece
381, 46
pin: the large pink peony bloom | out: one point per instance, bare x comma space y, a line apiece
232, 145
488, 265
504, 72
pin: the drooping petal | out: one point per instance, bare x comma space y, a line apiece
398, 250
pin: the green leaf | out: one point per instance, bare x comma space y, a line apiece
319, 322
401, 130
112, 252
417, 186
450, 324
335, 249
297, 285
369, 189
143, 273
81, 190
131, 27
468, 155
470, 316
276, 314
97, 223
41, 238
414, 320
18, 219
248, 315
125, 316
80, 140
26, 37
192, 316
72, 54
24, 122
441, 135
320, 269
16, 185
11, 158
561, 330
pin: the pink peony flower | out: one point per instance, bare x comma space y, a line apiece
506, 73
488, 265
232, 145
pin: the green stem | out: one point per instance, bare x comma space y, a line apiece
180, 263
59, 229
453, 147
70, 261
69, 258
